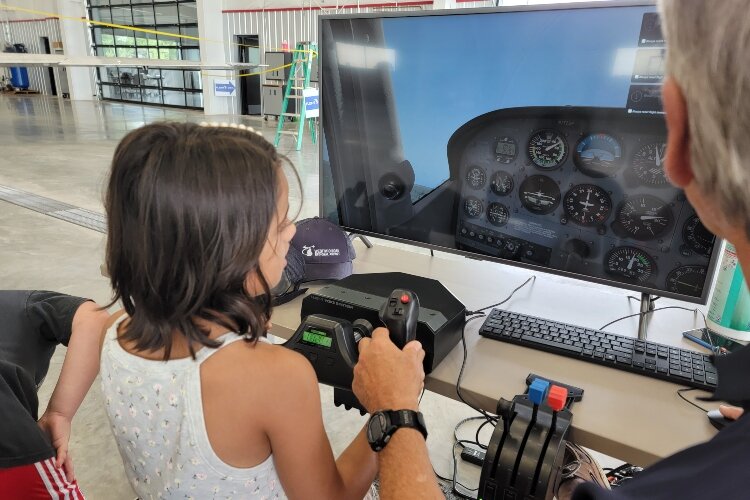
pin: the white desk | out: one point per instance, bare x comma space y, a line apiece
624, 415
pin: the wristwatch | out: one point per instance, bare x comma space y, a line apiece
383, 424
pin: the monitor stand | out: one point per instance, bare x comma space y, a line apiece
647, 306
365, 240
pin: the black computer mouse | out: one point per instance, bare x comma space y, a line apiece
717, 419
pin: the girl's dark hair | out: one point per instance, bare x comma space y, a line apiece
189, 210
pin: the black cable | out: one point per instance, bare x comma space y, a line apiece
653, 311
486, 415
479, 429
688, 389
533, 278
420, 396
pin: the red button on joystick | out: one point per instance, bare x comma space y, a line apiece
557, 397
404, 299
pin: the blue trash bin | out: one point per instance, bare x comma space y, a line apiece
19, 78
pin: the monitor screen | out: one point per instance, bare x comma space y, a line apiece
535, 137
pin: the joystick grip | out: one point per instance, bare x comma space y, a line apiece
400, 314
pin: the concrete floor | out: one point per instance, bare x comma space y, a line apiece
61, 150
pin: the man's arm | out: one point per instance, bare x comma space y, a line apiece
386, 378
79, 370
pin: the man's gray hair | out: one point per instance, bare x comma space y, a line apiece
708, 55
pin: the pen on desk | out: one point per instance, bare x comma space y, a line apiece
700, 342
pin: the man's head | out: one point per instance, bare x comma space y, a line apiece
707, 101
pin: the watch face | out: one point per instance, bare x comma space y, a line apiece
376, 431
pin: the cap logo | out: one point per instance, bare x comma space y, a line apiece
310, 251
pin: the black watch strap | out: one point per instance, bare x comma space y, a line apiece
383, 424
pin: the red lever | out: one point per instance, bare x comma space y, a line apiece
557, 397
404, 299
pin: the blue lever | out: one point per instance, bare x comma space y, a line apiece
538, 391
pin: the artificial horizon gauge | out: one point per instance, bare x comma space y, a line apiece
687, 280
629, 262
473, 207
539, 194
547, 149
501, 183
643, 217
697, 237
506, 149
598, 155
498, 214
476, 177
587, 205
648, 164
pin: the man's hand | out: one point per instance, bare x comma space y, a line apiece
731, 412
57, 427
387, 378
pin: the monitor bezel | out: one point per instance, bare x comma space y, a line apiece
716, 251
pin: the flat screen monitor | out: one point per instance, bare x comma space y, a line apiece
530, 136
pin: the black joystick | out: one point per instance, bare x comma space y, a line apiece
400, 314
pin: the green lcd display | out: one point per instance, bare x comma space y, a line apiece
317, 337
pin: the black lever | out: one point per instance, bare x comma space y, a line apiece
400, 314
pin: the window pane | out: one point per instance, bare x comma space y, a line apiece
120, 2
145, 39
101, 14
126, 52
172, 54
128, 76
153, 78
191, 54
111, 92
106, 52
124, 38
188, 13
166, 14
131, 94
94, 3
189, 31
173, 78
152, 96
122, 15
194, 99
143, 15
104, 36
109, 75
167, 40
174, 98
193, 80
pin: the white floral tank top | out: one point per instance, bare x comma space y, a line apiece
155, 410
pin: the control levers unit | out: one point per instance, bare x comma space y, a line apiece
331, 343
525, 455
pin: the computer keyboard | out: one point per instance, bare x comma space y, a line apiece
673, 364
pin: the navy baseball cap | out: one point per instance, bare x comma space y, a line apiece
327, 250
319, 251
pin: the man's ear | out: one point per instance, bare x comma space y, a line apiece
677, 162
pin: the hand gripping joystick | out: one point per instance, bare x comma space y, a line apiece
400, 314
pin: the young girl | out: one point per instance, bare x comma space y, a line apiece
200, 403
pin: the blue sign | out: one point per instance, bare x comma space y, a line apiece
312, 102
224, 88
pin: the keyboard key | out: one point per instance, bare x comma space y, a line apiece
682, 375
711, 378
626, 360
